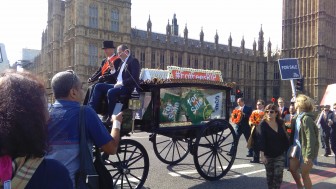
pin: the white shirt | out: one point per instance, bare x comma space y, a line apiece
119, 78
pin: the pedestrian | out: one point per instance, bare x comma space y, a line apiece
23, 136
333, 133
288, 117
63, 127
282, 109
243, 126
127, 77
103, 75
327, 117
304, 142
273, 143
259, 112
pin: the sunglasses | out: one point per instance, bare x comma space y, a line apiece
270, 111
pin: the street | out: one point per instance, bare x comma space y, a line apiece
243, 174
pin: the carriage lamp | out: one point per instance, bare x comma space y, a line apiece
134, 105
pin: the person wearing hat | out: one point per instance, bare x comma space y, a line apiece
127, 77
103, 75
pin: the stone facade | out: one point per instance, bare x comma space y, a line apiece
308, 30
76, 28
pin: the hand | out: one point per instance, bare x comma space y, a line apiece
263, 159
118, 85
117, 117
307, 161
101, 78
330, 122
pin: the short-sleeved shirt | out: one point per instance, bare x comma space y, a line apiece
64, 133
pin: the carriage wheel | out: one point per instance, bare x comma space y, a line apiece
129, 167
211, 147
170, 150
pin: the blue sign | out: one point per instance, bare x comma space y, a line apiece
289, 69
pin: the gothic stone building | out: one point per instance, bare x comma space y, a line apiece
77, 28
309, 34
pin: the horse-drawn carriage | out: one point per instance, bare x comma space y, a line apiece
182, 116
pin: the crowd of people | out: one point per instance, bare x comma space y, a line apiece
296, 130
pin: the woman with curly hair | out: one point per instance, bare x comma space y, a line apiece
304, 142
23, 120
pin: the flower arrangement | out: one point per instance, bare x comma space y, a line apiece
256, 117
236, 116
288, 127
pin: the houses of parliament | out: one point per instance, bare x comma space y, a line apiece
77, 28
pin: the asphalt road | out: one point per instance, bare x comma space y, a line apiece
242, 175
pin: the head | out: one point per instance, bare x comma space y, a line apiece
240, 102
108, 48
23, 115
304, 103
291, 109
326, 107
281, 102
271, 112
260, 104
334, 106
66, 85
123, 52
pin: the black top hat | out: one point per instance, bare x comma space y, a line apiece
108, 44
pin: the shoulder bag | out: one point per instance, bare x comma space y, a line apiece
91, 175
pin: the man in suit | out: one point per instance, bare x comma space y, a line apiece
127, 77
243, 126
326, 121
103, 75
282, 109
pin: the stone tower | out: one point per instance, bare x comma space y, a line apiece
308, 30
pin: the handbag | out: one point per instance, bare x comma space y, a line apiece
91, 174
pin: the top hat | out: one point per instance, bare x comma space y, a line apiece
107, 45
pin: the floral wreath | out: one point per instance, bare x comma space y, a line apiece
256, 117
236, 116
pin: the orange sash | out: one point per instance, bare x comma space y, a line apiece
108, 62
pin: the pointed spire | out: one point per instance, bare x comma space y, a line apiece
216, 38
202, 35
185, 32
149, 25
242, 45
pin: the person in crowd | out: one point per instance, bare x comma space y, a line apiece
290, 116
103, 75
63, 127
333, 133
318, 123
23, 136
326, 121
273, 142
256, 152
243, 126
282, 109
304, 143
127, 76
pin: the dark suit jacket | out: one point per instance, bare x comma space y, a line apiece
324, 121
130, 74
247, 113
107, 77
284, 112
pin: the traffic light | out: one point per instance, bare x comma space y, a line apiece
299, 84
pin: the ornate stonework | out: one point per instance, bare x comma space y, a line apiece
76, 28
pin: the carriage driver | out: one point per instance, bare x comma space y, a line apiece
127, 76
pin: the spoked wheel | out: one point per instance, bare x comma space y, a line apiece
129, 167
211, 148
170, 150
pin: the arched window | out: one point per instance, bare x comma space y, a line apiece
115, 20
93, 54
93, 16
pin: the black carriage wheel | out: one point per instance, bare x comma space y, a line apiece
211, 148
129, 167
170, 150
